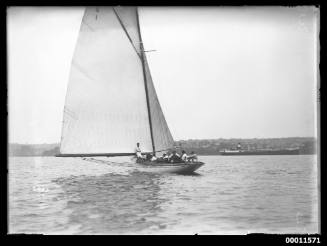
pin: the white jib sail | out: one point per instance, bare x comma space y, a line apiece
106, 107
161, 133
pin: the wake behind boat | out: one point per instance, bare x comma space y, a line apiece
111, 102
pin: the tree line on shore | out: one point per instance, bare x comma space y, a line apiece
214, 146
199, 146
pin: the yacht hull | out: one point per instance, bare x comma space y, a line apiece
178, 168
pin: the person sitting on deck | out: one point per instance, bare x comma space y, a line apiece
163, 158
148, 157
169, 155
184, 156
138, 152
153, 158
192, 157
175, 158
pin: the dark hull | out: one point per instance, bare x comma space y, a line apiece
264, 152
178, 168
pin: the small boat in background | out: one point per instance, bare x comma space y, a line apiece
240, 151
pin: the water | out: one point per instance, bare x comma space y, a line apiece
229, 195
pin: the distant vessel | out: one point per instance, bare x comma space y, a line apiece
111, 103
240, 151
261, 152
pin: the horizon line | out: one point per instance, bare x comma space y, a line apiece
192, 139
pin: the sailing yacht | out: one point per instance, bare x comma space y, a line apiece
111, 103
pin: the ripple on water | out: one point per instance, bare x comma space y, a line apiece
229, 195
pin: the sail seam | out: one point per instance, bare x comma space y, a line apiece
125, 30
82, 70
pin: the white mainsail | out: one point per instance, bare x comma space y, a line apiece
111, 103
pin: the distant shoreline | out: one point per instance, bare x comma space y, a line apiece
307, 145
197, 155
187, 140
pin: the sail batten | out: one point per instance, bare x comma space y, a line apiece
107, 109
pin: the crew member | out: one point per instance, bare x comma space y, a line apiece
138, 152
184, 156
192, 157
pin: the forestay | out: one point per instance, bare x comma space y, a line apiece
106, 109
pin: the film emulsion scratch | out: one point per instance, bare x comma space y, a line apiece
163, 120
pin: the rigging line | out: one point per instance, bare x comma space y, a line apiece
145, 82
129, 38
105, 162
91, 28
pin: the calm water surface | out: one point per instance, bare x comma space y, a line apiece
229, 195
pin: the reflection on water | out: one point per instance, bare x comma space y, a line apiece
112, 203
228, 195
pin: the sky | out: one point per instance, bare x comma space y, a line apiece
219, 72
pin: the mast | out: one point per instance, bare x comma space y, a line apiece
145, 82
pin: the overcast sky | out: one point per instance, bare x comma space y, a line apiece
219, 72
